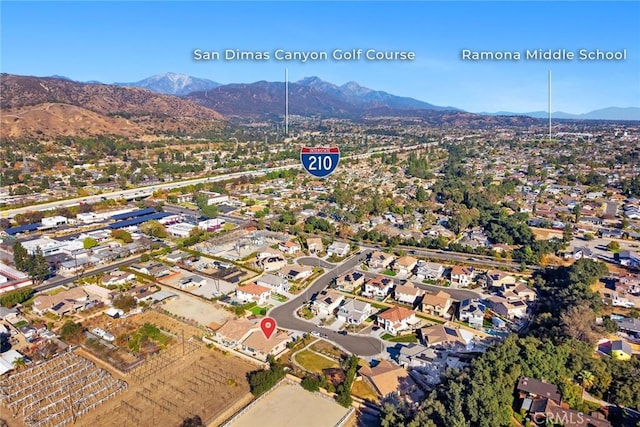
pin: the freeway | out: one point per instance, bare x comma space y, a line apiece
286, 318
146, 191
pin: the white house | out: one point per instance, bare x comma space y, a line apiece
407, 293
275, 283
289, 247
327, 302
462, 276
472, 311
398, 319
354, 312
339, 249
429, 270
253, 292
378, 287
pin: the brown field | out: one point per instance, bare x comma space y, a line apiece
545, 234
173, 386
184, 380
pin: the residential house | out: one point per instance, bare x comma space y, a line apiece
350, 282
289, 247
407, 293
524, 292
378, 287
416, 356
192, 281
497, 278
234, 331
257, 345
405, 265
339, 249
387, 378
327, 302
628, 259
295, 272
268, 252
429, 270
583, 252
462, 275
380, 259
117, 278
253, 292
271, 263
621, 350
506, 308
437, 304
532, 388
398, 319
613, 233
314, 245
445, 336
275, 283
98, 293
61, 303
354, 312
472, 311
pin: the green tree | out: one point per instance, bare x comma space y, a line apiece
125, 303
89, 242
20, 257
39, 267
613, 246
123, 235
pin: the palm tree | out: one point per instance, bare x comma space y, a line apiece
19, 363
587, 380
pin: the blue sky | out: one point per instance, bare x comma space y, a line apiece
128, 41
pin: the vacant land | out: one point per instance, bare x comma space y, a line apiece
314, 362
290, 405
197, 310
184, 381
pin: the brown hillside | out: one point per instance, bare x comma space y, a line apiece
54, 107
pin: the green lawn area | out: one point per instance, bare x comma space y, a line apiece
306, 313
258, 311
389, 273
403, 338
364, 391
280, 298
313, 362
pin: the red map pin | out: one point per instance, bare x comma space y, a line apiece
268, 326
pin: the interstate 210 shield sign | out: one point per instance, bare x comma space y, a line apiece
320, 161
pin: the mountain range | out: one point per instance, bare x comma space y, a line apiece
610, 113
173, 84
57, 106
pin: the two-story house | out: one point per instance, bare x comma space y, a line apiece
378, 287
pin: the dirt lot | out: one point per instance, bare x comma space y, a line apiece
291, 405
197, 310
185, 380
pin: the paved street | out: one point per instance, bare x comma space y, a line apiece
286, 318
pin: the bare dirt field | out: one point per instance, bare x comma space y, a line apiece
292, 406
179, 383
199, 311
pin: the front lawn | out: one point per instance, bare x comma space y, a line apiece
389, 273
313, 362
401, 338
259, 311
